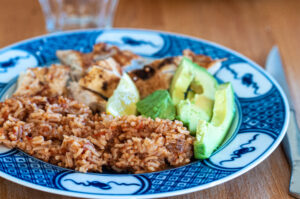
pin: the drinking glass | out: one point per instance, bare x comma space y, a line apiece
76, 14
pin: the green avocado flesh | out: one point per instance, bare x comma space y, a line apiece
193, 92
203, 103
181, 81
203, 83
194, 76
190, 114
209, 135
157, 105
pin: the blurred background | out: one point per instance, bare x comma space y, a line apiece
250, 27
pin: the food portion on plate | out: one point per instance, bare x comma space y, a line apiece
44, 81
66, 133
108, 57
158, 74
88, 113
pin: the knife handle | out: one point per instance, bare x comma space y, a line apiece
291, 141
291, 144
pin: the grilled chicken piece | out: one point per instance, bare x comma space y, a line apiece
111, 65
44, 81
100, 80
89, 98
81, 62
78, 61
202, 60
159, 73
154, 76
123, 57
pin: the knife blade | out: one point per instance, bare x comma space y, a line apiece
291, 141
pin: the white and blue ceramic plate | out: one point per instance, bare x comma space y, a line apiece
259, 126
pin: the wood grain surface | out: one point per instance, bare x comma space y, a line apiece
251, 27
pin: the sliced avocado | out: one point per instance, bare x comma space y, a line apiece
210, 135
194, 76
205, 142
190, 95
181, 81
184, 111
190, 114
200, 87
203, 83
204, 103
157, 105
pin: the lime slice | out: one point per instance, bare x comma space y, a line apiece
124, 99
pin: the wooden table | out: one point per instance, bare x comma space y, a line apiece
251, 27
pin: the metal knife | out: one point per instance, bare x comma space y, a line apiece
291, 141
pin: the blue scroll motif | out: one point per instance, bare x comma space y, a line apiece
233, 72
11, 62
246, 79
241, 151
101, 185
132, 42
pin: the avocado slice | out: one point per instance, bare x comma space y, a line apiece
202, 89
157, 105
190, 114
181, 81
190, 75
210, 135
203, 83
193, 82
202, 102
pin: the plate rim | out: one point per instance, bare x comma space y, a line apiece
170, 193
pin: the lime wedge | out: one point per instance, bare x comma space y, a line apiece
124, 99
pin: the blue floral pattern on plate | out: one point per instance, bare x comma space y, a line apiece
263, 118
